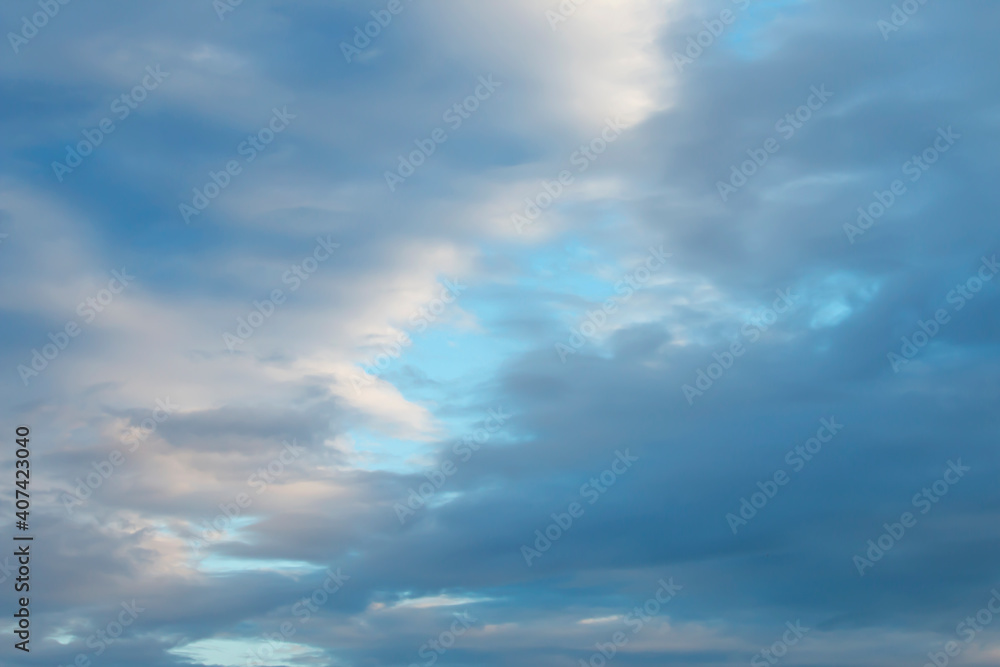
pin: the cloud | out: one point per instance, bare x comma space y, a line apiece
223, 530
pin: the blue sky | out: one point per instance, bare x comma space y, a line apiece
677, 346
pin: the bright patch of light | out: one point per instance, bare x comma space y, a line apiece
239, 652
438, 601
602, 619
218, 564
830, 315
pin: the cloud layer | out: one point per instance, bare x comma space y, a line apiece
674, 314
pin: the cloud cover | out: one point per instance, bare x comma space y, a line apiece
336, 487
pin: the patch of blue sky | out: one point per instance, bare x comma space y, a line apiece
830, 315
570, 268
446, 366
837, 297
221, 564
745, 36
383, 453
443, 371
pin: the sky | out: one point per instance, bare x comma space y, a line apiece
524, 332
